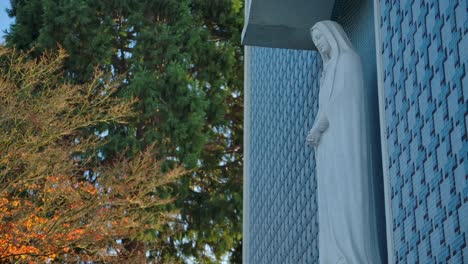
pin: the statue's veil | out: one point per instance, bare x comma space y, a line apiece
339, 44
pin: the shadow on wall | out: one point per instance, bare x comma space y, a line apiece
357, 19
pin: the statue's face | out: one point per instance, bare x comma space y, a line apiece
320, 42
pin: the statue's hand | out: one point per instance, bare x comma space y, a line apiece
320, 126
313, 138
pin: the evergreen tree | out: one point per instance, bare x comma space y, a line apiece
182, 60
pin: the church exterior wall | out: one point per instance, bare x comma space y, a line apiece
424, 47
424, 56
283, 219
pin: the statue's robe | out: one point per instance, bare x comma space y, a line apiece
347, 222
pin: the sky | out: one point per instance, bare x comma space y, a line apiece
5, 21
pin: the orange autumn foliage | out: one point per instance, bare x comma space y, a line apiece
60, 201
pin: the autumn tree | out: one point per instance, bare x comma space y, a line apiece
182, 61
58, 202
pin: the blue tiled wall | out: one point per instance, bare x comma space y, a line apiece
425, 53
283, 219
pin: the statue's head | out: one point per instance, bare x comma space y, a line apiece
321, 42
330, 39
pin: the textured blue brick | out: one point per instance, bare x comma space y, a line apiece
432, 39
282, 170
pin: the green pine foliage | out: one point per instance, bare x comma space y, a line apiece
182, 60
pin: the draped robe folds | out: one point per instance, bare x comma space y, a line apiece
347, 227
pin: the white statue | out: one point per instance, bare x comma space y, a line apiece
341, 137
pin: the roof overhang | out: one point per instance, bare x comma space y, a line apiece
283, 23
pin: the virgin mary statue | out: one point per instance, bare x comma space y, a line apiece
341, 137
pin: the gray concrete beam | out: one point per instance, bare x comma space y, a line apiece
283, 24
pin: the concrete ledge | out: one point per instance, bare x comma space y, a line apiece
277, 36
283, 24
